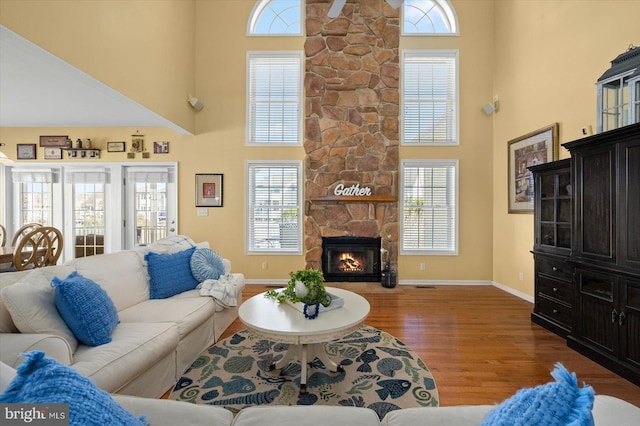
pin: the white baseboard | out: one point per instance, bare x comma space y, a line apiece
444, 282
515, 292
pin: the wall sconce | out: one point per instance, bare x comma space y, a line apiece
491, 107
195, 103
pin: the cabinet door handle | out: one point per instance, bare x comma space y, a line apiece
621, 318
555, 289
555, 311
614, 316
554, 269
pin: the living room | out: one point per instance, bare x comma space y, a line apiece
541, 58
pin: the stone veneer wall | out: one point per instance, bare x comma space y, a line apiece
351, 121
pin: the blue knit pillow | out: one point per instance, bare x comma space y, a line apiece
557, 403
206, 264
43, 380
86, 308
169, 274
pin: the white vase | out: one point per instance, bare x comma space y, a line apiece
301, 290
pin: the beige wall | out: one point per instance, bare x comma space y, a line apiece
142, 48
541, 57
548, 56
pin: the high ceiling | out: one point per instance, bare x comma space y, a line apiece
38, 89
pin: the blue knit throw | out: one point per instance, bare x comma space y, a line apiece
554, 404
43, 380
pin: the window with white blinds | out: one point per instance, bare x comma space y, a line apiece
274, 98
274, 207
429, 216
430, 97
34, 189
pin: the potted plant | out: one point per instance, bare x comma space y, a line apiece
305, 286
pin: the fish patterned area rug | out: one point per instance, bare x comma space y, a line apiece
380, 373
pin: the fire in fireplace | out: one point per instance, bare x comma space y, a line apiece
351, 258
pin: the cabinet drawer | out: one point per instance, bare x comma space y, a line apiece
553, 268
554, 311
560, 290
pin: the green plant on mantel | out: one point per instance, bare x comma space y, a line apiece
306, 286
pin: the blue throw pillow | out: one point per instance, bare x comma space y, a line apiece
43, 380
169, 274
86, 308
206, 264
557, 403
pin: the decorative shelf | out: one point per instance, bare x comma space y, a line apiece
355, 199
83, 152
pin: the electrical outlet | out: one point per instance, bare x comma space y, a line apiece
203, 212
422, 266
265, 265
521, 276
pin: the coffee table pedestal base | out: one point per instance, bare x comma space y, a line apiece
305, 352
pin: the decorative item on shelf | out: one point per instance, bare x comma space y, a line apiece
137, 142
388, 276
305, 287
78, 144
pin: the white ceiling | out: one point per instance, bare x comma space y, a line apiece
38, 89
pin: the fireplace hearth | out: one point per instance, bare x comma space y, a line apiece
351, 259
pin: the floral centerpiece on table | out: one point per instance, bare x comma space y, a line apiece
305, 286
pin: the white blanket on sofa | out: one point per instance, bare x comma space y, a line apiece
223, 290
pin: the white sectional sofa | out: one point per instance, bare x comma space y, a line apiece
153, 344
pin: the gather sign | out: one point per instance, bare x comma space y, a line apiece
353, 190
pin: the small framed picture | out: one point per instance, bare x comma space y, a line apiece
137, 143
55, 141
53, 153
115, 146
26, 151
209, 190
161, 147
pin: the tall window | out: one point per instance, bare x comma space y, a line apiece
35, 196
274, 104
274, 207
428, 17
88, 210
149, 189
429, 196
276, 18
430, 97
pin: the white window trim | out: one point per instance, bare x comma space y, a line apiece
431, 163
256, 12
432, 52
248, 215
451, 16
300, 118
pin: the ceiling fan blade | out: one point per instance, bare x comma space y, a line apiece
395, 3
336, 8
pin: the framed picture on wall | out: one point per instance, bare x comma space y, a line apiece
537, 147
55, 141
26, 151
209, 190
51, 153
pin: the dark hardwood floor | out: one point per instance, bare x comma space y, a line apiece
478, 341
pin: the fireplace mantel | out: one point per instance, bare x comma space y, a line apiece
355, 199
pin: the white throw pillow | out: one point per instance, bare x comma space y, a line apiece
31, 303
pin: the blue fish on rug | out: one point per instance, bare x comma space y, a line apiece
213, 382
396, 352
219, 350
182, 383
393, 388
318, 379
253, 399
238, 384
367, 357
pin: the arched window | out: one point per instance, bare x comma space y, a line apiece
428, 17
276, 18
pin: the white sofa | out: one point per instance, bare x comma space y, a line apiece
154, 342
607, 411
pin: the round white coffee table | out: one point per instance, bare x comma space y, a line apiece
282, 323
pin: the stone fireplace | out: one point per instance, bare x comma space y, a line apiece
351, 124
